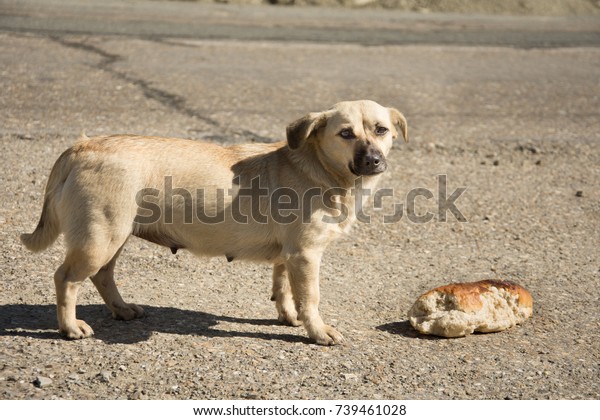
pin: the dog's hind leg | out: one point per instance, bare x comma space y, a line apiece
104, 281
282, 295
80, 263
89, 251
68, 279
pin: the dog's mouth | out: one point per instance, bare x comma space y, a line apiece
367, 169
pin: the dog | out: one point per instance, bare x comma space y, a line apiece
282, 203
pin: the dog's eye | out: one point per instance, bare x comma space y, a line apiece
380, 131
347, 134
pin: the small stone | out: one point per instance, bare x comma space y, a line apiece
42, 382
349, 376
122, 368
137, 395
104, 376
361, 3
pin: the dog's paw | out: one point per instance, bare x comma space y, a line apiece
290, 320
78, 331
127, 312
327, 336
286, 310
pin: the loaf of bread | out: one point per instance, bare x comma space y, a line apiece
459, 309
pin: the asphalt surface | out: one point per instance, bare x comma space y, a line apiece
506, 107
167, 19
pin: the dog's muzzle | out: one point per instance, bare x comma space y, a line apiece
368, 161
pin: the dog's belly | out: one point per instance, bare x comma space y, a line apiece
258, 252
239, 242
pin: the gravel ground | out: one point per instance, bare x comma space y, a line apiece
519, 128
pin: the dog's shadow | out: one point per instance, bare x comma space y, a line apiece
39, 321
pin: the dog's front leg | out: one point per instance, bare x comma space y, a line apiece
303, 271
282, 295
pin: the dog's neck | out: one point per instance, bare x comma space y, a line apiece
311, 167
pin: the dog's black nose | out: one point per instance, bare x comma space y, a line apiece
373, 159
368, 161
372, 162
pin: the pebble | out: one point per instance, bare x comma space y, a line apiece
349, 376
104, 376
137, 395
42, 382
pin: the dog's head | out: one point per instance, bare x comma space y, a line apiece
353, 137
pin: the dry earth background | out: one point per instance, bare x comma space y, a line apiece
519, 127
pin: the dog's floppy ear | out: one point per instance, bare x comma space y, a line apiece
400, 122
303, 129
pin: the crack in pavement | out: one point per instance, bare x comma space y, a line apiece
170, 100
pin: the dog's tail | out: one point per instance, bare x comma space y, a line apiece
48, 227
45, 233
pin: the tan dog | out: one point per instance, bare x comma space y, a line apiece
271, 202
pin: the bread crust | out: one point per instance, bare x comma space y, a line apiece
459, 309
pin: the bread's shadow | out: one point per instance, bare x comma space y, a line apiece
404, 329
39, 321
